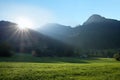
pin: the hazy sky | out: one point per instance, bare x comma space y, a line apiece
67, 12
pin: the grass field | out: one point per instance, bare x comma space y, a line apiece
32, 68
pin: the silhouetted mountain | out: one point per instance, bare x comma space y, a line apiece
29, 40
97, 32
94, 19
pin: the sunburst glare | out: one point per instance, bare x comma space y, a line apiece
24, 23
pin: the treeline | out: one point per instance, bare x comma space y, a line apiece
107, 53
53, 48
5, 50
58, 50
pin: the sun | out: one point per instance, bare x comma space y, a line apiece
24, 23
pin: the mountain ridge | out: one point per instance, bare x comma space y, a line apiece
97, 32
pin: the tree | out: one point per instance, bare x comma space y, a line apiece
5, 50
117, 56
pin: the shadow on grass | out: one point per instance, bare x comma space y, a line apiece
29, 58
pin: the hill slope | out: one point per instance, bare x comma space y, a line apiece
29, 40
97, 33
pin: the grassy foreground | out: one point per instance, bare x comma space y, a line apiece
58, 69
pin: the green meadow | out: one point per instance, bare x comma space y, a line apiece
26, 67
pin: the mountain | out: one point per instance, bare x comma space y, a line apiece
94, 19
57, 31
96, 33
99, 32
30, 40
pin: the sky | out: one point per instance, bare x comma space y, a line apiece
66, 12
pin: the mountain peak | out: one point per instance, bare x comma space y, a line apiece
95, 18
